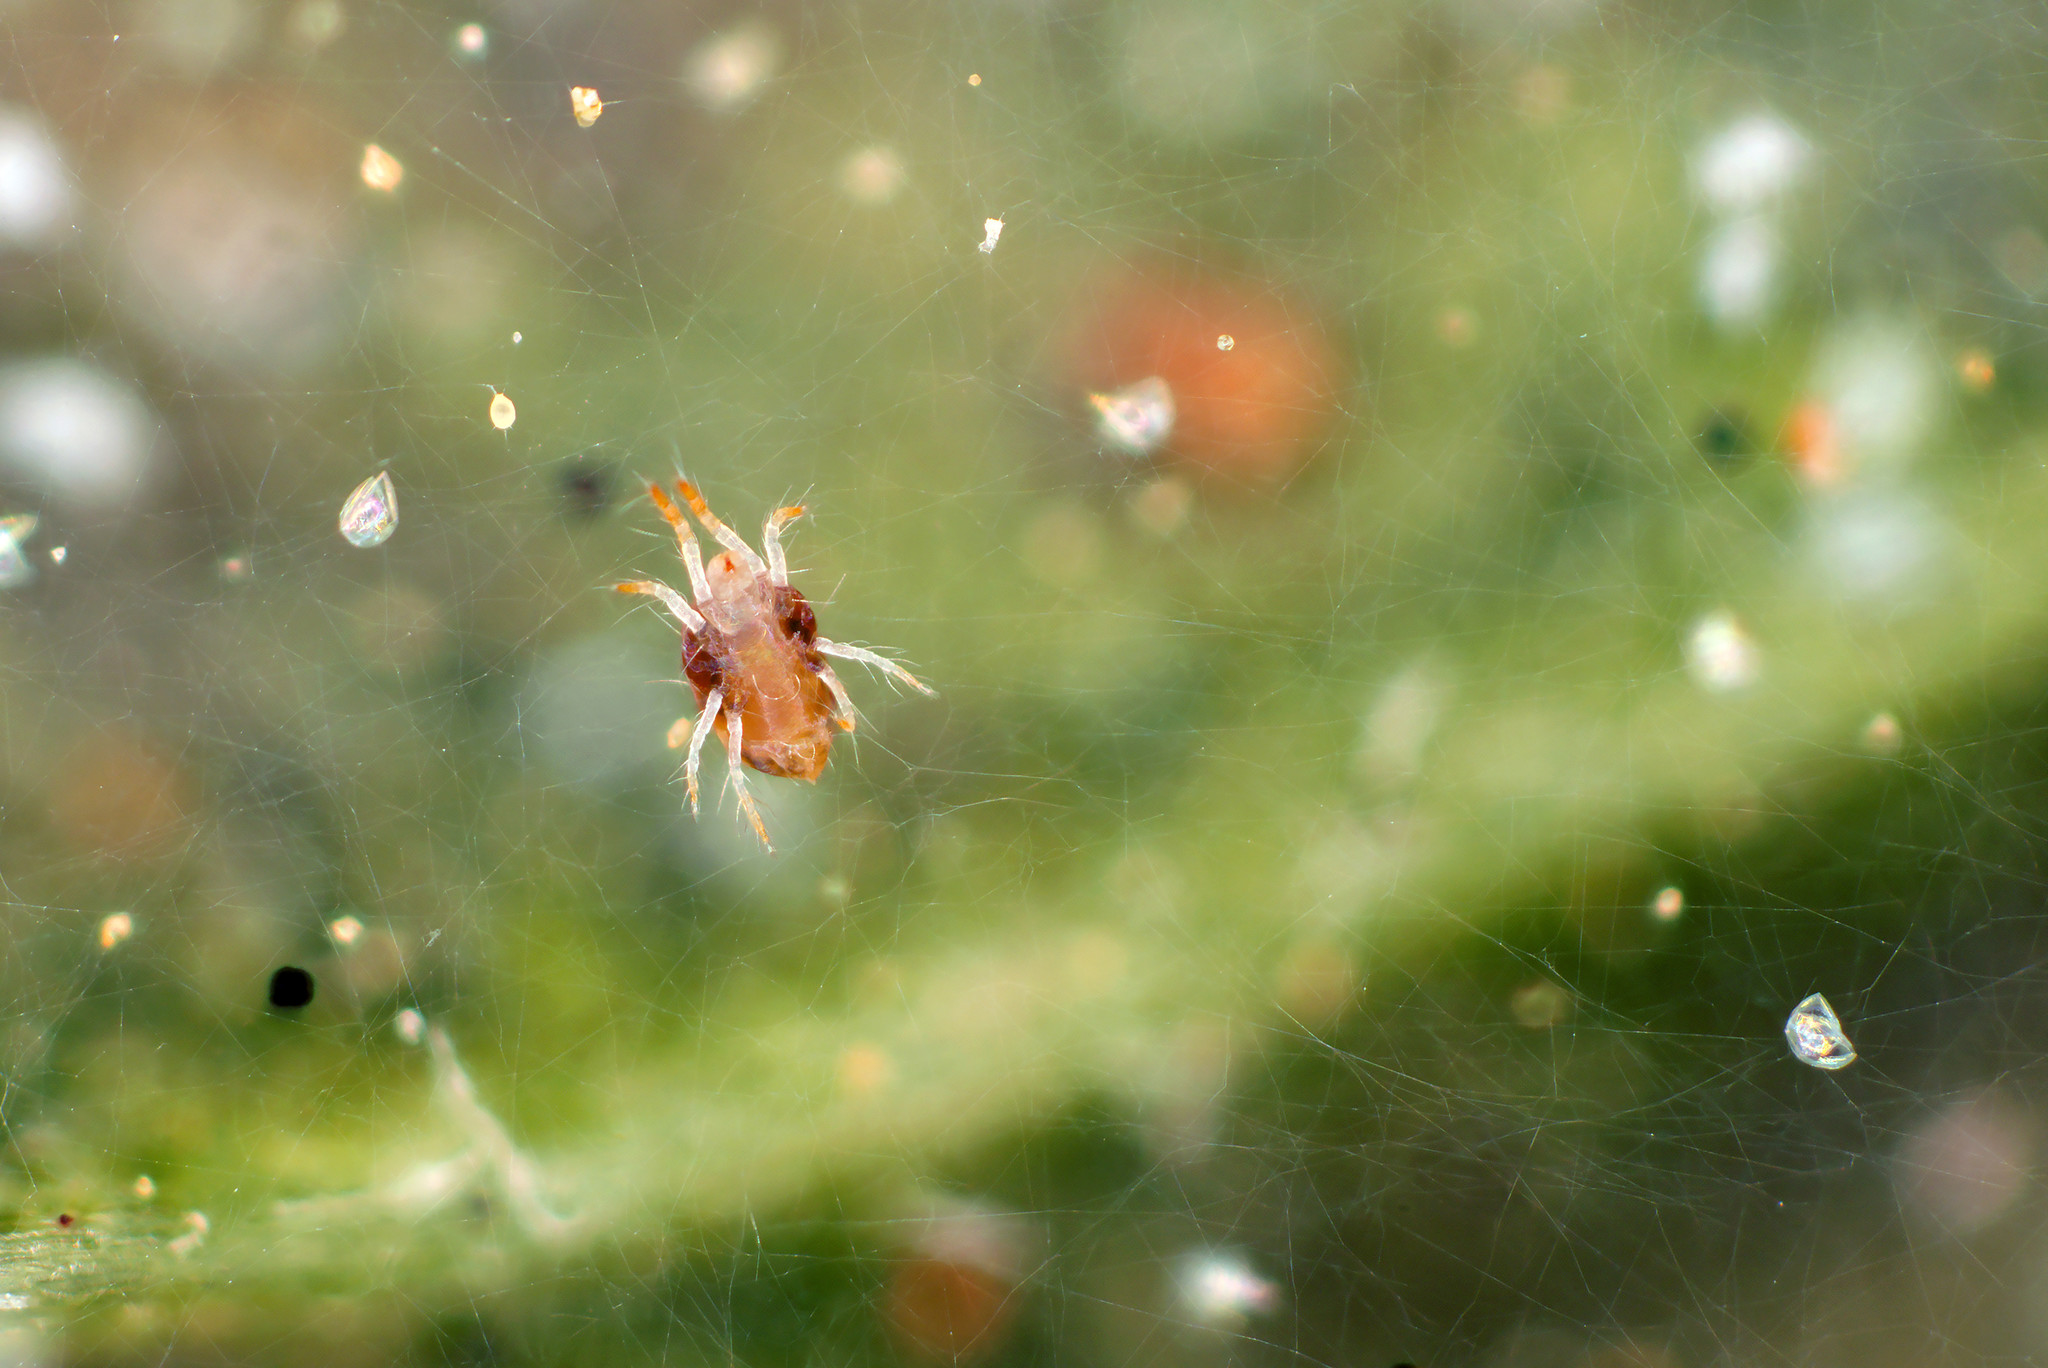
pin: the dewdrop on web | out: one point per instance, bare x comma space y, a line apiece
380, 170
1721, 654
503, 414
1815, 1034
992, 233
15, 567
727, 70
1750, 163
1218, 1288
35, 186
370, 515
1136, 418
585, 104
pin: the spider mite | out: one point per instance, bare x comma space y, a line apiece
753, 656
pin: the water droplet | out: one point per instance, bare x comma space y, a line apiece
15, 569
1221, 1290
410, 1026
727, 70
380, 170
115, 928
471, 41
1815, 1034
370, 515
993, 232
503, 414
585, 105
1137, 417
1669, 905
1224, 342
1721, 653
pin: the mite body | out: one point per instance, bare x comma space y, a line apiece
753, 656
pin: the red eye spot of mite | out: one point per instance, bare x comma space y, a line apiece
1255, 411
942, 1312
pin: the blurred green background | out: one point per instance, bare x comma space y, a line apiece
1343, 904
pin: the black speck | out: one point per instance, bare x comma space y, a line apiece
1724, 435
291, 988
586, 489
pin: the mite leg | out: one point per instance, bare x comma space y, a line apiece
713, 701
771, 542
686, 542
843, 705
867, 657
691, 619
723, 535
736, 771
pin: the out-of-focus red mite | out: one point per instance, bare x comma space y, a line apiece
753, 656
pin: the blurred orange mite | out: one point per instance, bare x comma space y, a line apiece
753, 656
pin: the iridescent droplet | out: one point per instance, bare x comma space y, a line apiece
1815, 1034
503, 414
371, 514
1137, 417
15, 569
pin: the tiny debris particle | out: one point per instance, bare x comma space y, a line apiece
1224, 342
993, 229
290, 988
1138, 417
503, 414
381, 170
585, 105
370, 515
1815, 1034
345, 930
115, 928
679, 733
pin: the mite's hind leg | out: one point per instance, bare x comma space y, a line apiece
723, 535
736, 771
691, 619
867, 657
771, 541
686, 542
842, 705
706, 715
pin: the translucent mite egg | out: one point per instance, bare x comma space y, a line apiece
585, 105
380, 170
1136, 418
345, 930
1976, 370
503, 414
370, 515
471, 41
1669, 905
115, 928
992, 230
1815, 1034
